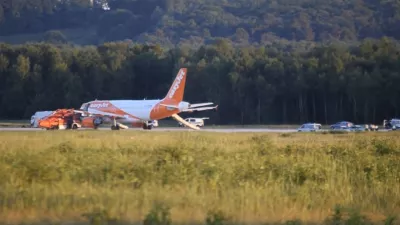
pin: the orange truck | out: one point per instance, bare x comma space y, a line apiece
61, 119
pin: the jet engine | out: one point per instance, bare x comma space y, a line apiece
91, 122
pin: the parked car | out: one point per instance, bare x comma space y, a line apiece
309, 127
393, 124
195, 121
364, 127
357, 128
343, 125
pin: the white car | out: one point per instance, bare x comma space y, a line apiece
309, 127
195, 121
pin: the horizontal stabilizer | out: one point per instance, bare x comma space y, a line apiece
200, 104
199, 109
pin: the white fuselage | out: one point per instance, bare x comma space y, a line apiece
131, 110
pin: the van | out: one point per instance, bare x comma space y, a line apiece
38, 116
309, 127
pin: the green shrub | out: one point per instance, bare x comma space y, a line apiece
159, 215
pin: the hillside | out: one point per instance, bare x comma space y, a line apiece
196, 22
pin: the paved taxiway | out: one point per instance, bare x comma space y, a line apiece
223, 130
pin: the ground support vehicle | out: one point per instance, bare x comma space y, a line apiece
61, 119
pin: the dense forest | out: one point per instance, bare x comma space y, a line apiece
261, 61
250, 84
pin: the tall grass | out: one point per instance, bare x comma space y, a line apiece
248, 178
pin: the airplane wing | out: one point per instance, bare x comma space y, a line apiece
105, 114
170, 106
80, 111
179, 119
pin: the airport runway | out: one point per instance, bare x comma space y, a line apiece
222, 130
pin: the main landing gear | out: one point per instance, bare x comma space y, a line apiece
114, 125
147, 126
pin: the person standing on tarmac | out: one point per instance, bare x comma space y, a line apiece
69, 122
387, 124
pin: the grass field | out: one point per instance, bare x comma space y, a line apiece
92, 177
14, 123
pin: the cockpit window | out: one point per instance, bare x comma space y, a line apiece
85, 106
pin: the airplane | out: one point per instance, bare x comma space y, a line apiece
141, 113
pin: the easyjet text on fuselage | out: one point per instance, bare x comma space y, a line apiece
100, 105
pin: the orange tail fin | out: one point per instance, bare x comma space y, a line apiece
177, 89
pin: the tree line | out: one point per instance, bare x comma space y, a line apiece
251, 85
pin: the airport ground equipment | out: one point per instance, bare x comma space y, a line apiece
61, 119
38, 116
